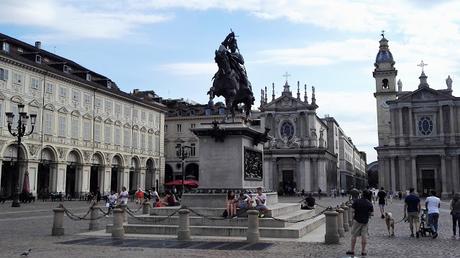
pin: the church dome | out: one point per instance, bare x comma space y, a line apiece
384, 55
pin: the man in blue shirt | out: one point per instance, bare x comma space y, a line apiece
412, 211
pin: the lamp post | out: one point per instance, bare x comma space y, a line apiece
20, 132
183, 155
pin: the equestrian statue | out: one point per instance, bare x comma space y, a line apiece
231, 80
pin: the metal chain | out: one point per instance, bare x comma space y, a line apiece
75, 217
144, 218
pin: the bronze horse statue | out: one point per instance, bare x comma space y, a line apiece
231, 81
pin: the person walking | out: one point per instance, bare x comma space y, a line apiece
432, 204
455, 212
363, 210
412, 211
382, 200
319, 193
123, 197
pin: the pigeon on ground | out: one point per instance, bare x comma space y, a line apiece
26, 253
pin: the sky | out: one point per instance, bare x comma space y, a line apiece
168, 45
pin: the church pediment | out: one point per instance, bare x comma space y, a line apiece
117, 123
75, 113
87, 116
49, 107
108, 121
287, 103
425, 94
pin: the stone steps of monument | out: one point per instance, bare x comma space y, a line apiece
295, 230
275, 210
219, 221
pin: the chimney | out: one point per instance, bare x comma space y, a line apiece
38, 44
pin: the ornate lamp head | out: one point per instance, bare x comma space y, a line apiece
9, 117
20, 108
33, 118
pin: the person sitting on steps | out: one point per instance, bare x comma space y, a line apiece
261, 202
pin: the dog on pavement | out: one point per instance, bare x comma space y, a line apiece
390, 224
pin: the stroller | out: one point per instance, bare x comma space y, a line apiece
425, 228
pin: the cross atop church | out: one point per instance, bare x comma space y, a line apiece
383, 33
286, 75
422, 64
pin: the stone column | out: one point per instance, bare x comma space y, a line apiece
183, 233
444, 192
118, 230
346, 225
314, 174
332, 235
441, 124
308, 175
401, 128
340, 228
105, 188
393, 174
411, 123
86, 178
414, 172
455, 174
141, 181
58, 221
253, 234
402, 174
381, 171
452, 124
125, 182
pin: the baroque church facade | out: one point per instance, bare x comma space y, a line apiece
306, 152
418, 131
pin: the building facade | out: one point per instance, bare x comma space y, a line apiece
89, 134
181, 117
419, 143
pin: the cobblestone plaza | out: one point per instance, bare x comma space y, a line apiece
33, 230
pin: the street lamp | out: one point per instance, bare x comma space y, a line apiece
183, 154
19, 133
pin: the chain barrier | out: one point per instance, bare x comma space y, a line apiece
302, 220
75, 217
202, 215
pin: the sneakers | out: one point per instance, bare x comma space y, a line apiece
412, 235
435, 235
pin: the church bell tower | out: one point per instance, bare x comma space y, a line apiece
385, 90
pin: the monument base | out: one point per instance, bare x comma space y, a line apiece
217, 200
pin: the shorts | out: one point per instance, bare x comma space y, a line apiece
358, 229
261, 207
382, 205
412, 217
243, 206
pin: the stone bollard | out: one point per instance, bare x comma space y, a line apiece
117, 229
93, 224
58, 221
350, 216
346, 226
146, 207
340, 229
253, 233
183, 233
332, 235
125, 212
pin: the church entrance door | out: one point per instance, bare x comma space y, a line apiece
428, 181
288, 181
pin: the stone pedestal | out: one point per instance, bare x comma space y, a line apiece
183, 233
346, 226
58, 221
118, 230
93, 224
340, 229
253, 234
231, 156
145, 207
332, 235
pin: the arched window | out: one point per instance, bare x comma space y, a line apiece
385, 83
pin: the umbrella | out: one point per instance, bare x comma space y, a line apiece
26, 184
190, 183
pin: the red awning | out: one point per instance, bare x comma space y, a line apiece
189, 183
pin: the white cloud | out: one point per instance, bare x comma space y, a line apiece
321, 53
189, 69
67, 20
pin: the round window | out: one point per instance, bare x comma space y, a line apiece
425, 125
287, 129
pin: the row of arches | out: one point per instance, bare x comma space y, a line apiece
73, 172
191, 172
